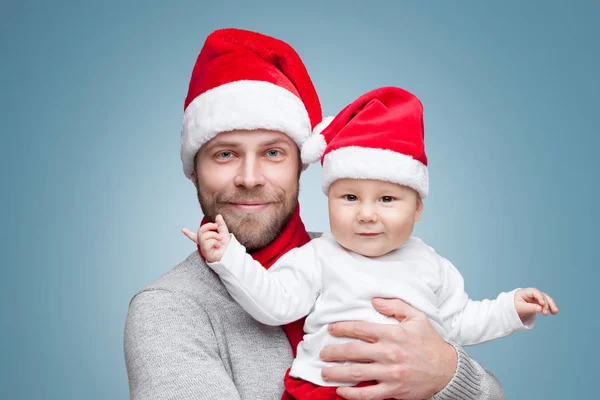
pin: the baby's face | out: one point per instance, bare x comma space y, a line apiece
372, 217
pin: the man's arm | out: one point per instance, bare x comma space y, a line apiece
470, 381
171, 351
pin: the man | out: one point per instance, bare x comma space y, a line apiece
250, 106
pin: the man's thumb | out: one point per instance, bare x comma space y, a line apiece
395, 308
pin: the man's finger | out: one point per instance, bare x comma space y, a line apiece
353, 351
191, 235
355, 373
395, 308
367, 331
374, 392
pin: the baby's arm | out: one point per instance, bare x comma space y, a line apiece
471, 322
282, 294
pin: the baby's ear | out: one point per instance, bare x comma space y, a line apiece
419, 210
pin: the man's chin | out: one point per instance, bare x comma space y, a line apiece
253, 233
256, 220
254, 229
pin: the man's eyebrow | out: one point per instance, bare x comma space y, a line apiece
235, 145
272, 142
224, 144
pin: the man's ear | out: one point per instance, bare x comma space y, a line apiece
419, 209
194, 179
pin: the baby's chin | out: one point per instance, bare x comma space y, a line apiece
375, 252
369, 247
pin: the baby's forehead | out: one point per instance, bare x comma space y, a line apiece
370, 185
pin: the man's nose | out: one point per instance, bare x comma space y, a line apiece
249, 174
367, 213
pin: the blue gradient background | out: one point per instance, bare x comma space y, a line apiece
93, 195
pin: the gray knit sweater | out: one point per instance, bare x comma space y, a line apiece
186, 338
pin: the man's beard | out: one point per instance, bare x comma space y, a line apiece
253, 230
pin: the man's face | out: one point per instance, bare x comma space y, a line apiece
372, 217
251, 179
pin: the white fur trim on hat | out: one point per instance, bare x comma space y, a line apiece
241, 105
367, 163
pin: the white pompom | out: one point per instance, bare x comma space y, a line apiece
313, 148
322, 125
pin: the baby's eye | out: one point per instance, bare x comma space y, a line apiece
387, 199
350, 197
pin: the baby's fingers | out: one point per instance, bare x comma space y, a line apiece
541, 300
209, 226
530, 308
210, 244
534, 295
552, 304
210, 235
191, 235
221, 226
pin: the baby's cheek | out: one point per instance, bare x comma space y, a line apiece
344, 238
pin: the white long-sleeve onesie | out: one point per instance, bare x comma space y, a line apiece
329, 284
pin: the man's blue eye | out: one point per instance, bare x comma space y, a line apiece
273, 153
225, 154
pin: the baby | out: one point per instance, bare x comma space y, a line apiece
375, 177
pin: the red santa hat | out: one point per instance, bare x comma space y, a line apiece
246, 80
378, 136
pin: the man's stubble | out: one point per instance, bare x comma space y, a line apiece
253, 230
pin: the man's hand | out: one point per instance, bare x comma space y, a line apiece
213, 239
409, 361
530, 301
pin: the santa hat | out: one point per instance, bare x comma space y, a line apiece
246, 80
379, 136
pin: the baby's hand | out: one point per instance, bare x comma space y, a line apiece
531, 301
213, 239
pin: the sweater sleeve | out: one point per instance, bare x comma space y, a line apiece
470, 382
171, 351
282, 294
470, 322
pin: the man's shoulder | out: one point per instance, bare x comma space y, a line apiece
315, 235
192, 281
321, 242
